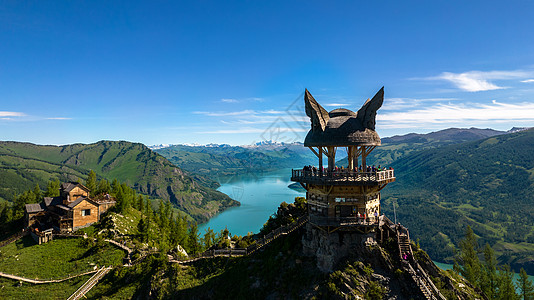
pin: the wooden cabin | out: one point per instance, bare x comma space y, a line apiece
72, 210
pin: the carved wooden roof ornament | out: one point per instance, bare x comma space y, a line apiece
343, 127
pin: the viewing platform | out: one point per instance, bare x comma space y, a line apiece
343, 177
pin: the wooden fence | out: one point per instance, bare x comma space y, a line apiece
271, 236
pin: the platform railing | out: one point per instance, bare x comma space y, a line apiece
342, 176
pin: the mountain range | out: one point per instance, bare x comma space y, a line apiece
22, 165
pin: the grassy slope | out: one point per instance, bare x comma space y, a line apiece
487, 184
22, 165
55, 259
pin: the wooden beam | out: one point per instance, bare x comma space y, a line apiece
315, 152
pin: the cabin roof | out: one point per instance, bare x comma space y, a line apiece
34, 208
48, 201
80, 199
69, 186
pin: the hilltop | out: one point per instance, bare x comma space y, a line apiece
22, 165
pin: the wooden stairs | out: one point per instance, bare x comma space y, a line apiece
410, 265
89, 284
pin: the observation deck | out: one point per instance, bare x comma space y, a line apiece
343, 177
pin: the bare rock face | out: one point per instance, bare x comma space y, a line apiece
331, 248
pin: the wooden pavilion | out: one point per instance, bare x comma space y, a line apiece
345, 197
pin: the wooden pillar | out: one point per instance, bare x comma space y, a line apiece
364, 156
331, 158
320, 159
355, 156
350, 153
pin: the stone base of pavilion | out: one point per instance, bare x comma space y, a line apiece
331, 241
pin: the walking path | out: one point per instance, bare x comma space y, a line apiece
284, 230
13, 238
37, 281
89, 284
410, 265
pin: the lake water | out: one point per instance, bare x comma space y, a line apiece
260, 195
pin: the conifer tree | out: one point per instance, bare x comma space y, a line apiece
525, 286
467, 262
103, 187
192, 239
52, 188
37, 193
90, 183
506, 288
489, 282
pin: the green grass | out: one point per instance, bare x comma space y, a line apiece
11, 289
55, 259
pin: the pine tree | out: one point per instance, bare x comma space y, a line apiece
209, 238
90, 183
192, 239
488, 282
467, 261
103, 187
52, 188
506, 288
525, 286
37, 194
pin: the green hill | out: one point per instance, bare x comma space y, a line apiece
487, 184
22, 165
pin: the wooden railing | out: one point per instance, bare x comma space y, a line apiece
89, 284
343, 176
13, 238
344, 221
418, 274
259, 243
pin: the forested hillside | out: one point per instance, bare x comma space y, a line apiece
487, 184
228, 160
22, 165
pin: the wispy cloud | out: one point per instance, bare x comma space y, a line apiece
448, 114
9, 114
229, 100
225, 114
58, 118
477, 81
407, 103
249, 130
527, 80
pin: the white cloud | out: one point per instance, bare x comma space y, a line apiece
527, 80
476, 81
448, 114
225, 114
58, 118
8, 114
407, 103
229, 100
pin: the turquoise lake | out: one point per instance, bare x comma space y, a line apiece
260, 195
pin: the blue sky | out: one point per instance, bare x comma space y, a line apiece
235, 71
